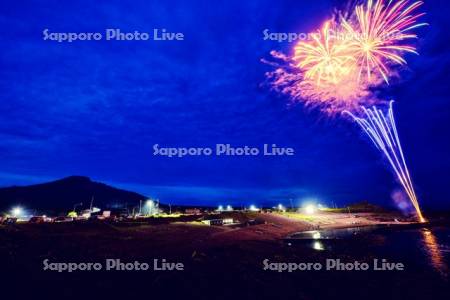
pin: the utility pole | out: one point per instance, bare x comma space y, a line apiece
92, 202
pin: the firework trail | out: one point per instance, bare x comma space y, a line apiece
344, 63
382, 131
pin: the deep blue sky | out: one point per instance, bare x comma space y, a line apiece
97, 108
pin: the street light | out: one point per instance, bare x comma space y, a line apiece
150, 204
253, 208
17, 211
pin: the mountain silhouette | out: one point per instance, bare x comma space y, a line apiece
63, 194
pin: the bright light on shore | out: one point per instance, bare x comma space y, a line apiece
229, 208
220, 208
310, 209
253, 208
316, 235
17, 211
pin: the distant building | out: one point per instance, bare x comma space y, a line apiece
192, 211
218, 222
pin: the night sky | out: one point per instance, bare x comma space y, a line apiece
96, 108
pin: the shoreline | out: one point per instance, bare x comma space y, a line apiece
328, 222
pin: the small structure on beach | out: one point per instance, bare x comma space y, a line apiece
218, 222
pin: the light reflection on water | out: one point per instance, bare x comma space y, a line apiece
421, 246
318, 246
432, 247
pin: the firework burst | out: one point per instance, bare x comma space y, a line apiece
328, 68
344, 62
377, 32
325, 59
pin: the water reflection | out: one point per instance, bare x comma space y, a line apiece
432, 247
382, 240
318, 246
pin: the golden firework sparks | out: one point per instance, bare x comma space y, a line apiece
378, 31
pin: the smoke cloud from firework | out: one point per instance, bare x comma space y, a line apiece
402, 202
341, 65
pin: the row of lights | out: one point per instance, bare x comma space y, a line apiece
308, 209
228, 208
18, 211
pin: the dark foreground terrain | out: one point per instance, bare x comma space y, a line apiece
219, 263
